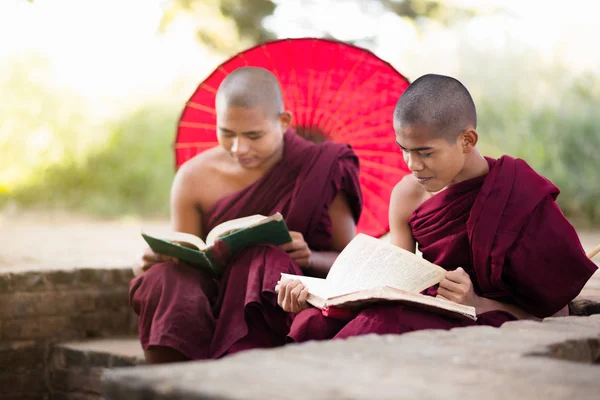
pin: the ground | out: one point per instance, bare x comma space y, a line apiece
67, 240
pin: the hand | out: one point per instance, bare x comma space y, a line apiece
147, 259
291, 296
298, 249
457, 286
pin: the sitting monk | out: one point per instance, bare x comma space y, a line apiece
260, 167
493, 224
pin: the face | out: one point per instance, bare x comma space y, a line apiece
435, 162
252, 139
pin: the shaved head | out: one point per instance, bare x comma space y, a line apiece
439, 102
251, 87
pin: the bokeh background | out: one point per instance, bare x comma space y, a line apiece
91, 90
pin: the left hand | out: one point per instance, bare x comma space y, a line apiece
457, 286
298, 250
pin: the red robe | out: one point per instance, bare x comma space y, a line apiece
506, 230
180, 307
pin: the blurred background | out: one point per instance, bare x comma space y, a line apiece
91, 90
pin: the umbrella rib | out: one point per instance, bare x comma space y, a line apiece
373, 140
358, 121
325, 85
196, 125
339, 89
358, 92
383, 167
195, 144
349, 136
372, 152
370, 214
378, 181
375, 196
200, 107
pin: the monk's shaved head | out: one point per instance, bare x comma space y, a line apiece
438, 101
250, 87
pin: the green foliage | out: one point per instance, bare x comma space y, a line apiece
130, 173
559, 136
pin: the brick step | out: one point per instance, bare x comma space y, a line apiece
76, 368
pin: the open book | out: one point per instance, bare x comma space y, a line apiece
236, 233
371, 270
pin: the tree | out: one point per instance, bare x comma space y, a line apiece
230, 25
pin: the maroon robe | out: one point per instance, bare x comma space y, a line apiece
182, 308
506, 231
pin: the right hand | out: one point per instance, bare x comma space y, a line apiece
291, 296
147, 259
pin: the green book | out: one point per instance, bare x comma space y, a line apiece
237, 234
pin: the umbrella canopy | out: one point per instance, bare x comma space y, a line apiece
336, 92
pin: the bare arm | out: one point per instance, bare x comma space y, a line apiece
458, 287
318, 263
343, 231
404, 200
185, 217
185, 214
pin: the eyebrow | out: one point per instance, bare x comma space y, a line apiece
415, 149
243, 133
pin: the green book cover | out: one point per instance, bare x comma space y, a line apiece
273, 231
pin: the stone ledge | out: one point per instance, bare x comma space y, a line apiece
76, 368
513, 362
43, 306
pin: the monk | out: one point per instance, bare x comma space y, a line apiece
493, 224
260, 167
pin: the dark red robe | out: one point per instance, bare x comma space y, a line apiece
506, 230
180, 307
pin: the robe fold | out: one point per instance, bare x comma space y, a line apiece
202, 317
506, 231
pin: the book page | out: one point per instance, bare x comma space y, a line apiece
316, 286
380, 294
233, 225
182, 239
367, 263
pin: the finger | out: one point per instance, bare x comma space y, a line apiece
287, 246
303, 297
448, 295
296, 235
439, 296
301, 253
281, 293
287, 300
451, 286
457, 276
293, 290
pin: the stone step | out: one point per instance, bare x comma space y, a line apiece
76, 368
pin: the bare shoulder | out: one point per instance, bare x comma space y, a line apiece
202, 164
197, 178
407, 195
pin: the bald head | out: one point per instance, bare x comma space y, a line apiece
250, 87
440, 102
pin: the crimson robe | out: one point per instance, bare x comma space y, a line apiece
202, 317
506, 231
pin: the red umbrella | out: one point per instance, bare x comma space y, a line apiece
336, 92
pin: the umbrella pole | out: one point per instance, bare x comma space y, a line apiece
592, 253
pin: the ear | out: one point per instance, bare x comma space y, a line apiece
285, 120
468, 140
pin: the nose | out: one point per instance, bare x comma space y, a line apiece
240, 146
413, 163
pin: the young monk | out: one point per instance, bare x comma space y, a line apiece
260, 167
493, 224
